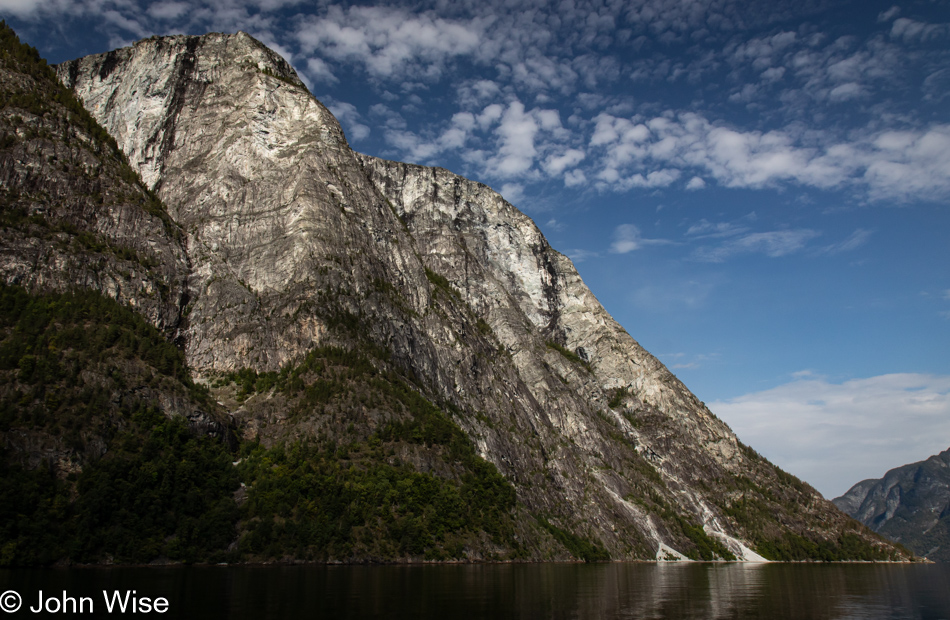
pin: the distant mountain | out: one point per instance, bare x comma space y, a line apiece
910, 505
293, 351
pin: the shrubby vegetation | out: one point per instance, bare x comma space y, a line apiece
162, 490
23, 58
580, 548
333, 499
754, 511
334, 503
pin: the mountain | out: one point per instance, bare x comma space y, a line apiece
405, 367
910, 505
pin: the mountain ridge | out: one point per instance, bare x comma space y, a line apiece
908, 504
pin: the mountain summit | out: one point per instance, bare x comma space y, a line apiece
370, 323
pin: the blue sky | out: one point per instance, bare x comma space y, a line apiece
757, 191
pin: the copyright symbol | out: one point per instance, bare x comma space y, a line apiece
10, 601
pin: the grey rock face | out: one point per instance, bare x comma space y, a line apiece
910, 505
292, 236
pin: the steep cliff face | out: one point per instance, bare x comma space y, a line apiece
74, 214
297, 243
910, 505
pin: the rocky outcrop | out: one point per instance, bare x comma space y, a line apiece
910, 505
295, 241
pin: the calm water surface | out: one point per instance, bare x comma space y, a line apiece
771, 591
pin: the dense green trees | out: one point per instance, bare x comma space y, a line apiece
87, 374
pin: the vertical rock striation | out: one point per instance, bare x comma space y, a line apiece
295, 241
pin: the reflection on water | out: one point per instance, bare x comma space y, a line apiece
514, 591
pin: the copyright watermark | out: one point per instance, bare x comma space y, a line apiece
10, 602
113, 601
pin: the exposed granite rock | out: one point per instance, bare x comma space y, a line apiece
910, 505
295, 241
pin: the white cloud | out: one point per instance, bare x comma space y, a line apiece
696, 183
627, 238
889, 14
912, 30
349, 118
22, 8
705, 229
902, 165
516, 149
834, 435
390, 42
168, 10
845, 92
579, 255
319, 71
557, 163
853, 242
512, 192
126, 23
575, 178
773, 244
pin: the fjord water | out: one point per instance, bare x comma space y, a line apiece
621, 590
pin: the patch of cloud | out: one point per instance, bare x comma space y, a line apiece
773, 244
349, 117
512, 192
557, 163
543, 73
578, 255
704, 229
855, 240
476, 93
168, 10
516, 141
834, 435
846, 92
696, 183
889, 14
890, 164
390, 42
936, 86
682, 361
20, 8
575, 178
910, 30
801, 69
319, 72
526, 142
627, 238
